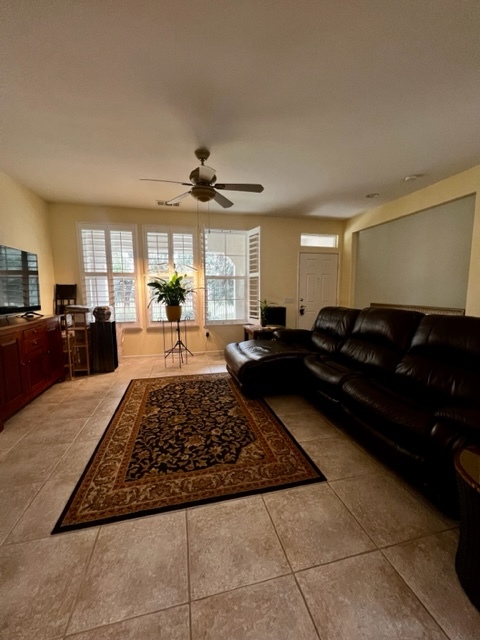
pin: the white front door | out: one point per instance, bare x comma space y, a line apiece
317, 288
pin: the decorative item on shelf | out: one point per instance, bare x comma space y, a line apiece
102, 314
172, 293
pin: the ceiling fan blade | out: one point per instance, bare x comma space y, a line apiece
254, 188
178, 198
222, 201
186, 184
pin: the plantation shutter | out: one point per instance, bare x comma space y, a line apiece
123, 275
183, 260
157, 252
254, 275
96, 289
183, 252
167, 250
107, 256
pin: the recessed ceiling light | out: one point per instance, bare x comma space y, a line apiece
414, 176
372, 195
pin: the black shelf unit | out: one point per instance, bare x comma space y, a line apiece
104, 347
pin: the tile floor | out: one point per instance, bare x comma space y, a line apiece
360, 556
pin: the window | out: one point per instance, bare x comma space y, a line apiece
232, 277
167, 250
319, 240
108, 268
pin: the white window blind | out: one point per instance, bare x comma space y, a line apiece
168, 250
108, 269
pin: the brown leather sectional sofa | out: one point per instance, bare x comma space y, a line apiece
411, 382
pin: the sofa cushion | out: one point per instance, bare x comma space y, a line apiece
332, 326
395, 417
443, 361
379, 338
466, 420
326, 376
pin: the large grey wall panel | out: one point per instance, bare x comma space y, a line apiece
422, 259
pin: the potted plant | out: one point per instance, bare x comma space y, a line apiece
172, 293
264, 304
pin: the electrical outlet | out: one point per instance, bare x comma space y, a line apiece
289, 300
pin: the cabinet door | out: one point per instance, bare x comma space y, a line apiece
55, 369
35, 357
13, 380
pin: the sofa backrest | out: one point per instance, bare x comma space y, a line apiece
380, 337
444, 358
332, 326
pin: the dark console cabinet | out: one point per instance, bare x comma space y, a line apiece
30, 360
276, 315
104, 347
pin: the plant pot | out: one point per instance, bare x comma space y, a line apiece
174, 312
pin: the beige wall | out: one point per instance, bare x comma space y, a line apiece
24, 225
457, 186
280, 245
26, 222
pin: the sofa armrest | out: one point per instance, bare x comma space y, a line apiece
297, 336
447, 439
464, 420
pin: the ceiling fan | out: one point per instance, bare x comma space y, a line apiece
204, 185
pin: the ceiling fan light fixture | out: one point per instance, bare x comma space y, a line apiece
203, 193
413, 176
203, 183
203, 174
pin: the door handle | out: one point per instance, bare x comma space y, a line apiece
302, 309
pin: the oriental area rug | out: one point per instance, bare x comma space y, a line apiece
182, 441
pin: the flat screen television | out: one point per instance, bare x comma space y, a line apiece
19, 284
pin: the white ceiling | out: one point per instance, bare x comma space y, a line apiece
321, 101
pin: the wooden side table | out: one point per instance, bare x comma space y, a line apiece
257, 332
467, 561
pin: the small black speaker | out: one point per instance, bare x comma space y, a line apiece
276, 315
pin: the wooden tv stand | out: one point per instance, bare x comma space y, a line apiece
31, 360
